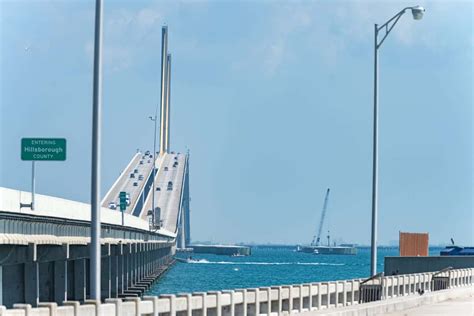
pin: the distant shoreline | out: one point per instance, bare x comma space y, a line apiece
296, 245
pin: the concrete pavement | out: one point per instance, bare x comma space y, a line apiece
168, 200
125, 182
461, 306
457, 301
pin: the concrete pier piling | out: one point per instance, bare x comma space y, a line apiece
58, 273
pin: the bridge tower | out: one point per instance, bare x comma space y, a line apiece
184, 231
164, 89
167, 105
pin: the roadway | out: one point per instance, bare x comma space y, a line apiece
459, 306
168, 200
140, 165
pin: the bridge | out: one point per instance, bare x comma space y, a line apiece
45, 250
171, 192
44, 253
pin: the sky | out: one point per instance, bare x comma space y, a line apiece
274, 100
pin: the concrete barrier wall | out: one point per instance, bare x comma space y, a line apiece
57, 207
406, 265
302, 298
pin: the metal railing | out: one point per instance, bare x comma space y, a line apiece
440, 280
14, 223
371, 289
250, 302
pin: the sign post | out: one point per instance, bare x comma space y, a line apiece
33, 185
41, 149
123, 204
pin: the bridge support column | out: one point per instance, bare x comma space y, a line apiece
60, 281
155, 260
31, 271
106, 277
146, 253
128, 268
146, 260
149, 254
154, 257
121, 272
133, 265
106, 271
1, 285
140, 262
114, 274
13, 284
80, 280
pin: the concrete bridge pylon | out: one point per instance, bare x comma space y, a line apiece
164, 89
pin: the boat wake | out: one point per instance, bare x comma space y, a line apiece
204, 261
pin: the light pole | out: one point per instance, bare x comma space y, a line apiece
95, 174
417, 12
154, 119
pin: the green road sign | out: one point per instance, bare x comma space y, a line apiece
123, 200
43, 149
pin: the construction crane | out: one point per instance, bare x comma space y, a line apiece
317, 238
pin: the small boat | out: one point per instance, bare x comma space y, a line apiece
190, 260
457, 251
316, 252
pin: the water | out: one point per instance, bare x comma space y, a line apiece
265, 267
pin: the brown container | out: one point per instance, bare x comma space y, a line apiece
414, 244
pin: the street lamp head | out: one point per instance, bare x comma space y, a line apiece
417, 12
151, 118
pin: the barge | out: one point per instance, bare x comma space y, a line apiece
328, 250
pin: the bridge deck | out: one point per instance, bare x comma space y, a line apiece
168, 200
53, 207
456, 306
112, 194
126, 183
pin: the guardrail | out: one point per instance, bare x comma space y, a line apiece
54, 207
371, 289
60, 217
250, 302
440, 280
27, 224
